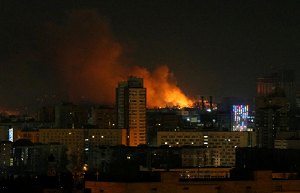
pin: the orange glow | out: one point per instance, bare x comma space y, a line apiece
7, 113
161, 87
92, 64
85, 168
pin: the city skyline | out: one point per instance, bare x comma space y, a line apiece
78, 52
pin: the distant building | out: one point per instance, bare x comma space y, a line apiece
277, 160
239, 117
80, 140
161, 121
287, 144
6, 154
298, 100
23, 156
287, 139
226, 142
284, 135
216, 139
284, 80
27, 158
128, 159
6, 157
33, 136
46, 114
59, 151
8, 133
190, 115
104, 117
225, 121
68, 115
234, 112
202, 173
4, 133
201, 157
271, 116
288, 84
267, 85
131, 110
255, 181
251, 122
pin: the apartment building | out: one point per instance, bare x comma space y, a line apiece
80, 140
131, 110
223, 145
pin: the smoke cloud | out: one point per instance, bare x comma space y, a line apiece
77, 60
87, 57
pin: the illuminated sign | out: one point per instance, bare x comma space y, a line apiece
239, 117
11, 135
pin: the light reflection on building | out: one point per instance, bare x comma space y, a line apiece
239, 117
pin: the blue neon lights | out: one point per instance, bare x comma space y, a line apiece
240, 115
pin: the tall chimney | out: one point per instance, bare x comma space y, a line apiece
202, 102
210, 102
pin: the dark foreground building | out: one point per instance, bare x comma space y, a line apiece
277, 160
169, 182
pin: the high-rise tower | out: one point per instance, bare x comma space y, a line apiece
131, 110
284, 80
271, 115
287, 83
267, 85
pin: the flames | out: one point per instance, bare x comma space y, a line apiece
162, 89
90, 63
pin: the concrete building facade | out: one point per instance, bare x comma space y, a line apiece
68, 115
6, 154
271, 116
223, 144
33, 136
131, 110
79, 140
261, 182
284, 80
104, 117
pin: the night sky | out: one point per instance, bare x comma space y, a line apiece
79, 50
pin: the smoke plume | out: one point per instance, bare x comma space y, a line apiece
86, 58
